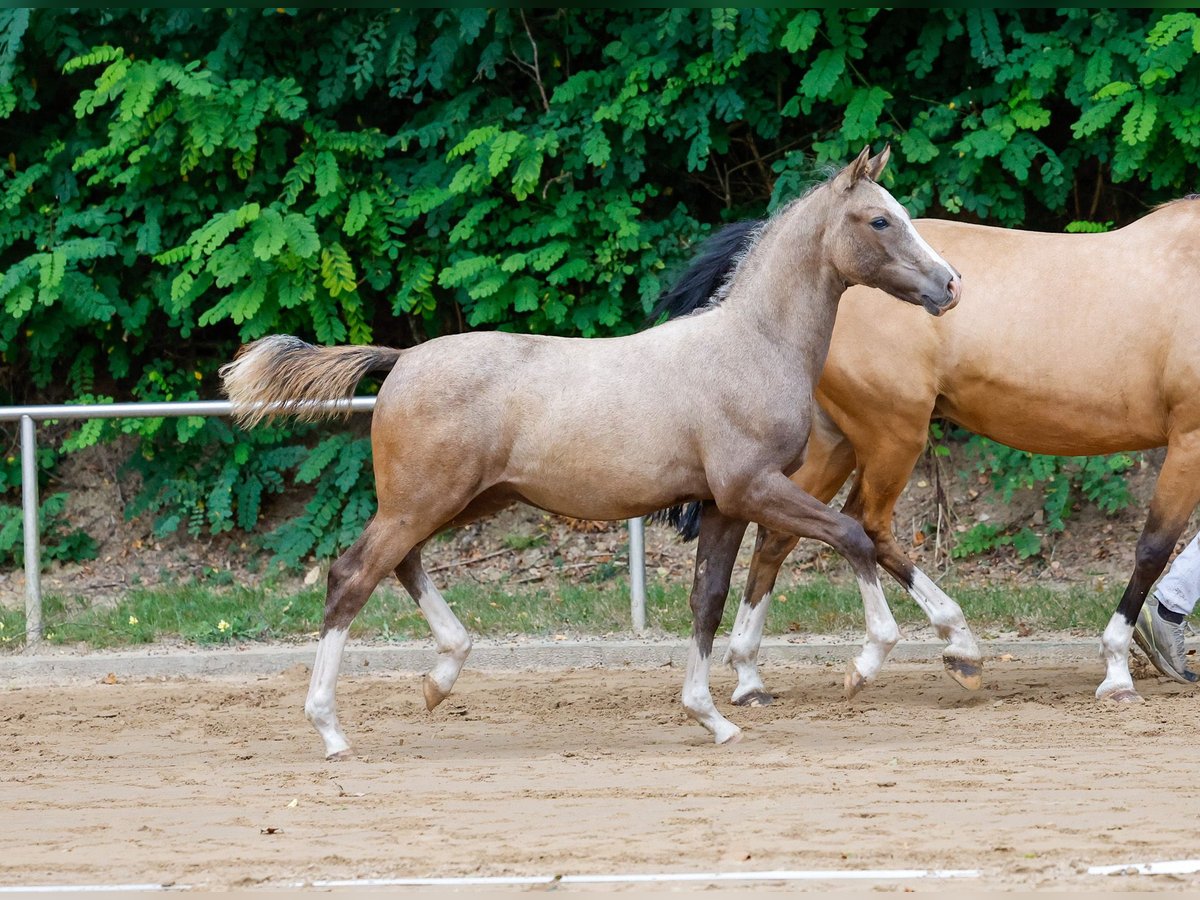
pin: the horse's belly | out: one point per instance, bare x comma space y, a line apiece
606, 496
1057, 425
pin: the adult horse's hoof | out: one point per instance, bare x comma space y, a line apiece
433, 694
855, 681
966, 672
339, 755
754, 698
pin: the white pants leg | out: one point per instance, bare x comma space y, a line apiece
1180, 587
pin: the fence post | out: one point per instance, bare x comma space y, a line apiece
637, 573
33, 550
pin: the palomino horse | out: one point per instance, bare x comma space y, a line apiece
700, 408
1066, 344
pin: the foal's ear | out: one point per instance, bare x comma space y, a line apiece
875, 164
849, 176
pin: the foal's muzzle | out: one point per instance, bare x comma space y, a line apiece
938, 302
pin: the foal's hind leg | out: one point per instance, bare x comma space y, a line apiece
352, 578
716, 552
453, 641
1175, 497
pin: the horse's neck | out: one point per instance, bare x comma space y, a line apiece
786, 297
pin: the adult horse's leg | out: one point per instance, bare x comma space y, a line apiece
716, 552
770, 550
352, 578
882, 477
1175, 497
453, 641
777, 502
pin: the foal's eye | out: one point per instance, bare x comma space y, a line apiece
879, 224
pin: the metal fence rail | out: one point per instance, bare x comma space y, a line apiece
27, 416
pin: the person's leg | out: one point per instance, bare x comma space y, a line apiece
1179, 589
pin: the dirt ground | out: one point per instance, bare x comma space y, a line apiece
221, 783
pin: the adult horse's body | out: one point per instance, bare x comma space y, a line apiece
1064, 344
700, 408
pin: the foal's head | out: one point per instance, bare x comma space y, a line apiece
873, 241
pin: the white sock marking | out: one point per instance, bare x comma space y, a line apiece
882, 631
697, 699
321, 704
946, 616
1114, 647
744, 644
453, 641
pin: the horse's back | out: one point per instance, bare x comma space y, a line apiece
548, 417
1062, 343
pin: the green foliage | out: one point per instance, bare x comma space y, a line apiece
339, 468
1062, 481
60, 540
178, 181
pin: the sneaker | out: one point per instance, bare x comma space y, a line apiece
1162, 642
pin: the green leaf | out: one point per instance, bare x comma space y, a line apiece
1139, 120
326, 177
1026, 543
596, 147
824, 74
801, 31
358, 212
337, 272
504, 147
1169, 27
474, 139
917, 147
300, 235
270, 235
862, 113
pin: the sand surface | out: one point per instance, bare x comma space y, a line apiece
221, 783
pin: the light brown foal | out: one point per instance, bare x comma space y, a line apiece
700, 408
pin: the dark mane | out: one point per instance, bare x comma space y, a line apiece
702, 283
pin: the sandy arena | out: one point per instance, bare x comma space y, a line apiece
220, 783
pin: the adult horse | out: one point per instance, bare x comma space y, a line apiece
1065, 344
700, 408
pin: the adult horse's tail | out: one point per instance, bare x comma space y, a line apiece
280, 375
699, 286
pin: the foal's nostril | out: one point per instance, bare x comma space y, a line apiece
954, 288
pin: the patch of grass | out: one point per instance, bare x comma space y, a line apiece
212, 610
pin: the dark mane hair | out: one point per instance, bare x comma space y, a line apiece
706, 277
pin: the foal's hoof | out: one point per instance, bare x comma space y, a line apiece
728, 738
433, 694
855, 681
754, 698
339, 755
1122, 695
966, 672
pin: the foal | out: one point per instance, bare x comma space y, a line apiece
700, 408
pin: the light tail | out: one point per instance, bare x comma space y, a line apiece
282, 376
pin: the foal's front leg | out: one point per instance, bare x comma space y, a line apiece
773, 500
716, 552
